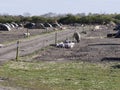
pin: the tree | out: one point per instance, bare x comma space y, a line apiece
69, 19
38, 19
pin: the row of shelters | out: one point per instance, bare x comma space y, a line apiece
9, 26
29, 25
41, 25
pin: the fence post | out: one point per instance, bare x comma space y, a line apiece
55, 38
17, 51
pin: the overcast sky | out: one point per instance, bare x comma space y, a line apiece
38, 7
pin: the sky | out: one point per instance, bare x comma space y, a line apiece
39, 7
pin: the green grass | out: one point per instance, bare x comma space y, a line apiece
60, 76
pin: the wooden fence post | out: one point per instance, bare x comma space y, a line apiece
17, 51
55, 38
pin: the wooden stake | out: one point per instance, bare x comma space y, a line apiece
55, 38
17, 51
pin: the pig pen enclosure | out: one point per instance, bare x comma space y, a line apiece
95, 46
16, 34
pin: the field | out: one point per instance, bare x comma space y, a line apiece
60, 76
92, 64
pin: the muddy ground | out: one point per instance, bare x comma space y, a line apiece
94, 47
16, 34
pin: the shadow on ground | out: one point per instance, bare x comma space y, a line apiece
110, 59
102, 44
116, 66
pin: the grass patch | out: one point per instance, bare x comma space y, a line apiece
60, 76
